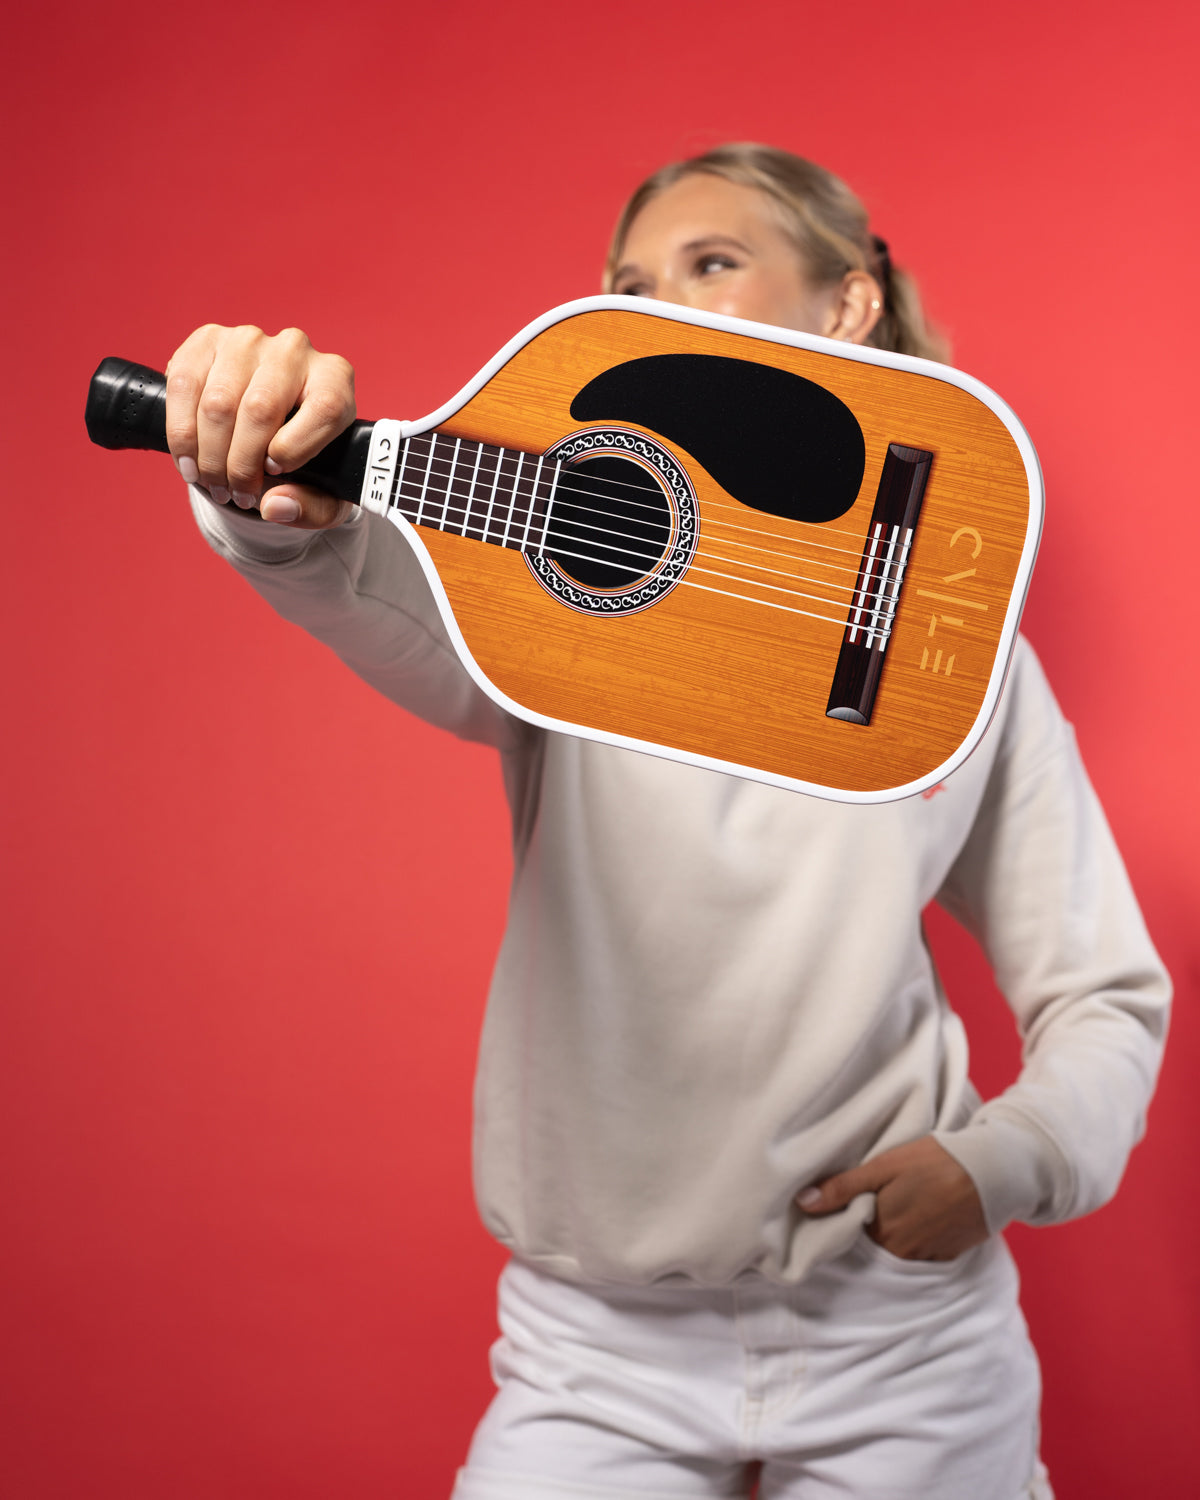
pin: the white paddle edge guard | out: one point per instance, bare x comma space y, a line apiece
773, 335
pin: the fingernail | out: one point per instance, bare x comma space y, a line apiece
271, 466
244, 501
809, 1198
188, 471
281, 508
219, 493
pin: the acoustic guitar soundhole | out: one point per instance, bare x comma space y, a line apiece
622, 525
611, 523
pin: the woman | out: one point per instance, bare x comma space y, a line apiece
723, 1117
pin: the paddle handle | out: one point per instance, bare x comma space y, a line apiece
127, 408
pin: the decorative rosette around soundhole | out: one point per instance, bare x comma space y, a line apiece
623, 523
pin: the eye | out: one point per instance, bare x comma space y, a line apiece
633, 289
708, 264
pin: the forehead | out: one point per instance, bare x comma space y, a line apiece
700, 206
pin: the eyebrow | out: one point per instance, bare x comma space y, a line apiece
717, 239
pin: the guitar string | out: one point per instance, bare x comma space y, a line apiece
650, 561
449, 510
458, 515
709, 556
698, 567
877, 583
441, 494
878, 601
879, 605
710, 505
883, 611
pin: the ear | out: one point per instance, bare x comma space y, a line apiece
855, 308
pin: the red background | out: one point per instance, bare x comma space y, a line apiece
240, 1254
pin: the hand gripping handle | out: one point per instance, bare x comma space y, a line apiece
127, 408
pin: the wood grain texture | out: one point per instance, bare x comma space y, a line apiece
734, 678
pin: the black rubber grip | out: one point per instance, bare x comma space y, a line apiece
127, 408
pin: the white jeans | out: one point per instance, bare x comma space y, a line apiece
874, 1379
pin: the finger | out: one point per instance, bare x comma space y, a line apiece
327, 408
835, 1192
304, 508
276, 385
234, 362
187, 371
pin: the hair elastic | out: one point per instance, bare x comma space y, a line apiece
884, 262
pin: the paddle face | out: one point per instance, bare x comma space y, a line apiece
747, 549
752, 465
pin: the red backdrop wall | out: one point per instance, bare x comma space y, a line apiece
240, 1254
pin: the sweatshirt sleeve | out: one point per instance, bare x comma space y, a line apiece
359, 589
1040, 883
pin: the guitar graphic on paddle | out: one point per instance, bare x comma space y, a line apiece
758, 551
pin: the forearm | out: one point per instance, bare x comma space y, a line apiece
359, 589
1042, 885
1054, 1145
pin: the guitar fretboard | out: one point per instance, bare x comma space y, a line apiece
496, 495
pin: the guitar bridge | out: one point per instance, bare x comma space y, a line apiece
877, 591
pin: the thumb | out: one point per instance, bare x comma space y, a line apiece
835, 1192
304, 508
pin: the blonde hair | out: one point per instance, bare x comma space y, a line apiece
825, 219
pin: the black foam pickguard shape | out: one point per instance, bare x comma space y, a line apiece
771, 439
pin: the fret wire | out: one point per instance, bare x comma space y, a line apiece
512, 500
449, 483
509, 492
416, 480
549, 507
537, 476
487, 521
394, 497
428, 471
457, 484
502, 507
519, 503
474, 477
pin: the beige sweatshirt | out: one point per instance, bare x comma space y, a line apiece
712, 993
